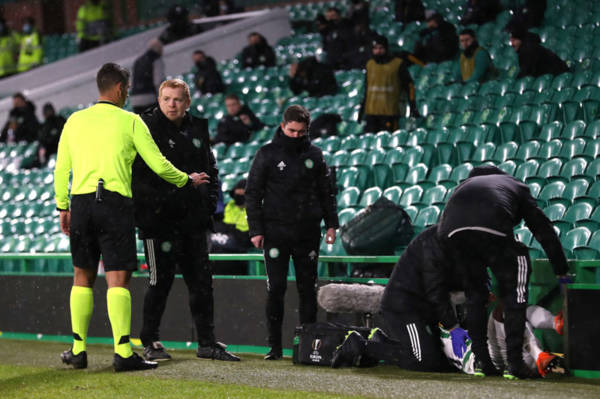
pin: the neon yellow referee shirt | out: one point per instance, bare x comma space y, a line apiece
101, 142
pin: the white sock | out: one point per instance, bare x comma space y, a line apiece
540, 317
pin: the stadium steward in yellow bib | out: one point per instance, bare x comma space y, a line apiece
98, 145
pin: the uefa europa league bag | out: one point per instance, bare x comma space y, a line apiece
315, 343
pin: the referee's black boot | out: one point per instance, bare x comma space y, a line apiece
216, 351
274, 354
132, 363
78, 361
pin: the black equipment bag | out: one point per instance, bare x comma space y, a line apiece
315, 343
377, 230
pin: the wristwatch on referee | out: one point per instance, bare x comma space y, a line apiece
190, 181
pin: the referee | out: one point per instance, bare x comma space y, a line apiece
98, 145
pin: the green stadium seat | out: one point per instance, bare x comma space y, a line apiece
415, 175
527, 169
483, 153
527, 150
575, 238
383, 175
573, 169
578, 212
550, 131
561, 81
550, 191
549, 149
375, 156
353, 176
346, 215
348, 198
461, 172
505, 151
369, 196
398, 138
412, 212
591, 150
591, 250
508, 167
331, 144
575, 191
426, 217
382, 140
439, 173
393, 193
573, 130
555, 212
357, 157
340, 158
411, 195
571, 148
593, 169
413, 156
534, 188
593, 130
434, 195
349, 143
549, 170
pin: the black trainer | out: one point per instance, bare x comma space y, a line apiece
78, 361
274, 354
485, 368
350, 351
156, 352
216, 351
519, 372
132, 363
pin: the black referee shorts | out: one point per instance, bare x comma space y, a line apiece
104, 228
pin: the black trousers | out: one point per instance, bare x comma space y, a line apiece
86, 44
414, 343
189, 254
281, 244
376, 123
509, 261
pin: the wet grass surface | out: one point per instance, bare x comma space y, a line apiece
30, 369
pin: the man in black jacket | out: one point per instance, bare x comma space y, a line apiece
288, 193
314, 77
337, 37
415, 302
22, 124
438, 42
49, 134
206, 77
148, 74
238, 124
173, 224
534, 59
257, 52
477, 223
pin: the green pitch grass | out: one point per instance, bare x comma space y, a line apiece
30, 369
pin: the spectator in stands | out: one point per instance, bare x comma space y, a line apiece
238, 124
289, 192
31, 53
49, 134
231, 234
527, 13
207, 78
22, 124
148, 74
213, 8
314, 77
180, 25
9, 50
360, 52
257, 52
387, 81
480, 11
438, 42
337, 36
324, 125
474, 64
94, 24
409, 11
358, 12
534, 59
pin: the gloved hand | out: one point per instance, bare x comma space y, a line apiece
562, 280
459, 338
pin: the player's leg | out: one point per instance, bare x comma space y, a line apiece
114, 220
161, 266
86, 255
512, 270
306, 258
277, 259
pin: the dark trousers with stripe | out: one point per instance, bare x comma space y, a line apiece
303, 247
509, 262
414, 344
189, 254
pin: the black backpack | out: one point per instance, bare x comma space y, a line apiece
377, 230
